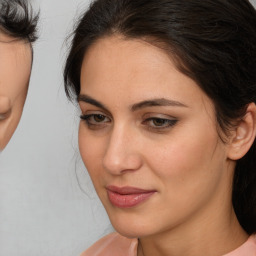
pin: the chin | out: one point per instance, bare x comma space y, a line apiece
131, 233
131, 227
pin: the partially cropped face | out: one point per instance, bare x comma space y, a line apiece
148, 139
15, 68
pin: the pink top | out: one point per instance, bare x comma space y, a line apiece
117, 245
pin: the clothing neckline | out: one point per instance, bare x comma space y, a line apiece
248, 248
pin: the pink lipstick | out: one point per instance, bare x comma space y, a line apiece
127, 197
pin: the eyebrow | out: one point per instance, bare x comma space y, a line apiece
143, 104
88, 99
157, 102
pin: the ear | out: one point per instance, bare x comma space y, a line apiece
244, 134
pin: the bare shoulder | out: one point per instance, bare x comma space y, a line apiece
113, 245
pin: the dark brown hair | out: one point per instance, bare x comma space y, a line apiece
18, 20
212, 41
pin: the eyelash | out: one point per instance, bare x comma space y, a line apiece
88, 121
166, 123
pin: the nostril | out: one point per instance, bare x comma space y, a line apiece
5, 107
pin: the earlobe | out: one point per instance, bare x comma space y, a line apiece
244, 134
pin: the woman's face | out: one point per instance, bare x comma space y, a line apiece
15, 68
148, 139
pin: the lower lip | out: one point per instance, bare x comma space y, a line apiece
128, 201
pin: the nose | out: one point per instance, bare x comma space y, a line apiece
122, 154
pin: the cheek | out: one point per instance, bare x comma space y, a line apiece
188, 165
179, 156
91, 150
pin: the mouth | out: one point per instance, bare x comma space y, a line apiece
128, 197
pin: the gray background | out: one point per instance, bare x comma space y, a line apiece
44, 210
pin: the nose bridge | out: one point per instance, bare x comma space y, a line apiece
121, 154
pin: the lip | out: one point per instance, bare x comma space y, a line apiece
128, 197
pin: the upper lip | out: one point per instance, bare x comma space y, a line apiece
128, 190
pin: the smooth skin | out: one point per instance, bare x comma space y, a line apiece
15, 68
146, 125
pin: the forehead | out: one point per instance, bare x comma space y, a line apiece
14, 48
116, 68
13, 42
15, 65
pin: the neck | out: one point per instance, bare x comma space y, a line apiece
209, 236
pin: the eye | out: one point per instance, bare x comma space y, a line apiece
159, 123
95, 120
5, 107
5, 115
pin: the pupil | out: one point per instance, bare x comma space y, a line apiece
99, 118
159, 122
